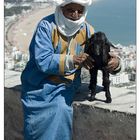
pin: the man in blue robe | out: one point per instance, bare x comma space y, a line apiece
52, 74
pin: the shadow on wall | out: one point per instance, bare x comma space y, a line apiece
83, 92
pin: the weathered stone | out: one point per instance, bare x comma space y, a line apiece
92, 120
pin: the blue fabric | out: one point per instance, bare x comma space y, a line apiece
47, 105
49, 113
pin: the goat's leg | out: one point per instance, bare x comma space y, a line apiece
106, 84
93, 82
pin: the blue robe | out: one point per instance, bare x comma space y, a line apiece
48, 87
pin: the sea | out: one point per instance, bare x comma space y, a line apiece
116, 18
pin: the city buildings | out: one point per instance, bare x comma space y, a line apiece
16, 59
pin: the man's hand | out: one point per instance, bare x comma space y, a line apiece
113, 63
84, 60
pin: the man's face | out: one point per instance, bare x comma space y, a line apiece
73, 11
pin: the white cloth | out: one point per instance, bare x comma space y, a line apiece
66, 26
82, 2
69, 27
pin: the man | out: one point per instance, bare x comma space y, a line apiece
52, 74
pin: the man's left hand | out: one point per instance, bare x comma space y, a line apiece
113, 63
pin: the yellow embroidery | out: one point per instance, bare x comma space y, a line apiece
91, 29
55, 37
62, 63
78, 39
72, 46
70, 77
81, 36
56, 79
64, 44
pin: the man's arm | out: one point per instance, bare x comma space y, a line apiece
114, 64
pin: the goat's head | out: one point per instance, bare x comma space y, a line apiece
99, 45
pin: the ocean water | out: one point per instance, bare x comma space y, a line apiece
117, 18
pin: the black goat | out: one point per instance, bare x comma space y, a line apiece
98, 47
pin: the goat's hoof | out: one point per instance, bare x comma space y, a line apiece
108, 100
91, 98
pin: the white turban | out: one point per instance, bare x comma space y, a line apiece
81, 2
66, 26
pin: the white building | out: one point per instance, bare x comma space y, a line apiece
132, 64
128, 63
16, 54
119, 79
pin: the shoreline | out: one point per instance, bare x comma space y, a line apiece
21, 32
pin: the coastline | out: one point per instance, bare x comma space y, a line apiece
21, 32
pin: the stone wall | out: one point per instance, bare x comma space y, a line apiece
90, 122
13, 116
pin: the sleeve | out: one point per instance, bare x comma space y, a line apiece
45, 58
69, 66
69, 63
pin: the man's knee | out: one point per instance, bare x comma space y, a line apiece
64, 108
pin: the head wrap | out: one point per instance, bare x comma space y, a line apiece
81, 2
66, 26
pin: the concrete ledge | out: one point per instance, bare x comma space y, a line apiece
123, 100
94, 123
98, 120
12, 78
92, 120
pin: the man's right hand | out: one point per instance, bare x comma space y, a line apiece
84, 60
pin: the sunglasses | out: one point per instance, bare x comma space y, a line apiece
71, 10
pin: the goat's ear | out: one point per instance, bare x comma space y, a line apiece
110, 44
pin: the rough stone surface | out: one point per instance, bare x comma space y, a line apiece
13, 116
92, 123
92, 120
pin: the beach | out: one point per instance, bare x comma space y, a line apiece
21, 32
